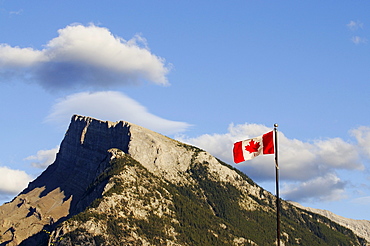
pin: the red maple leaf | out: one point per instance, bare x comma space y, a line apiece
252, 147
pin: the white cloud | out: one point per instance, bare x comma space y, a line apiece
336, 153
43, 158
362, 135
354, 25
362, 200
358, 40
19, 12
304, 165
15, 57
113, 106
13, 181
84, 57
324, 188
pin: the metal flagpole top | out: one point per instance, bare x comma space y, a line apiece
277, 188
276, 147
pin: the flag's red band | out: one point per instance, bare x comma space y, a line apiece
268, 143
238, 152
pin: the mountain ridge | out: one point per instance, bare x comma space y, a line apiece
116, 182
360, 227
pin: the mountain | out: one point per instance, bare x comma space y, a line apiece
116, 183
359, 227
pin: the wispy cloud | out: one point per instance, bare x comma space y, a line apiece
362, 200
358, 40
113, 106
43, 158
362, 135
84, 57
355, 25
18, 12
308, 166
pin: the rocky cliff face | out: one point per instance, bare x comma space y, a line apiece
61, 189
121, 184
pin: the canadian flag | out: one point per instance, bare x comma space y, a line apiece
248, 149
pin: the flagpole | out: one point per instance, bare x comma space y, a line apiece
277, 186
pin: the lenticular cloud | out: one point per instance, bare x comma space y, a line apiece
84, 57
113, 106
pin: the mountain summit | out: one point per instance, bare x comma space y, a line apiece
116, 183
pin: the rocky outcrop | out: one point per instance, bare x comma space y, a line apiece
116, 183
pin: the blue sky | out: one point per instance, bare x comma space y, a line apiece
209, 73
